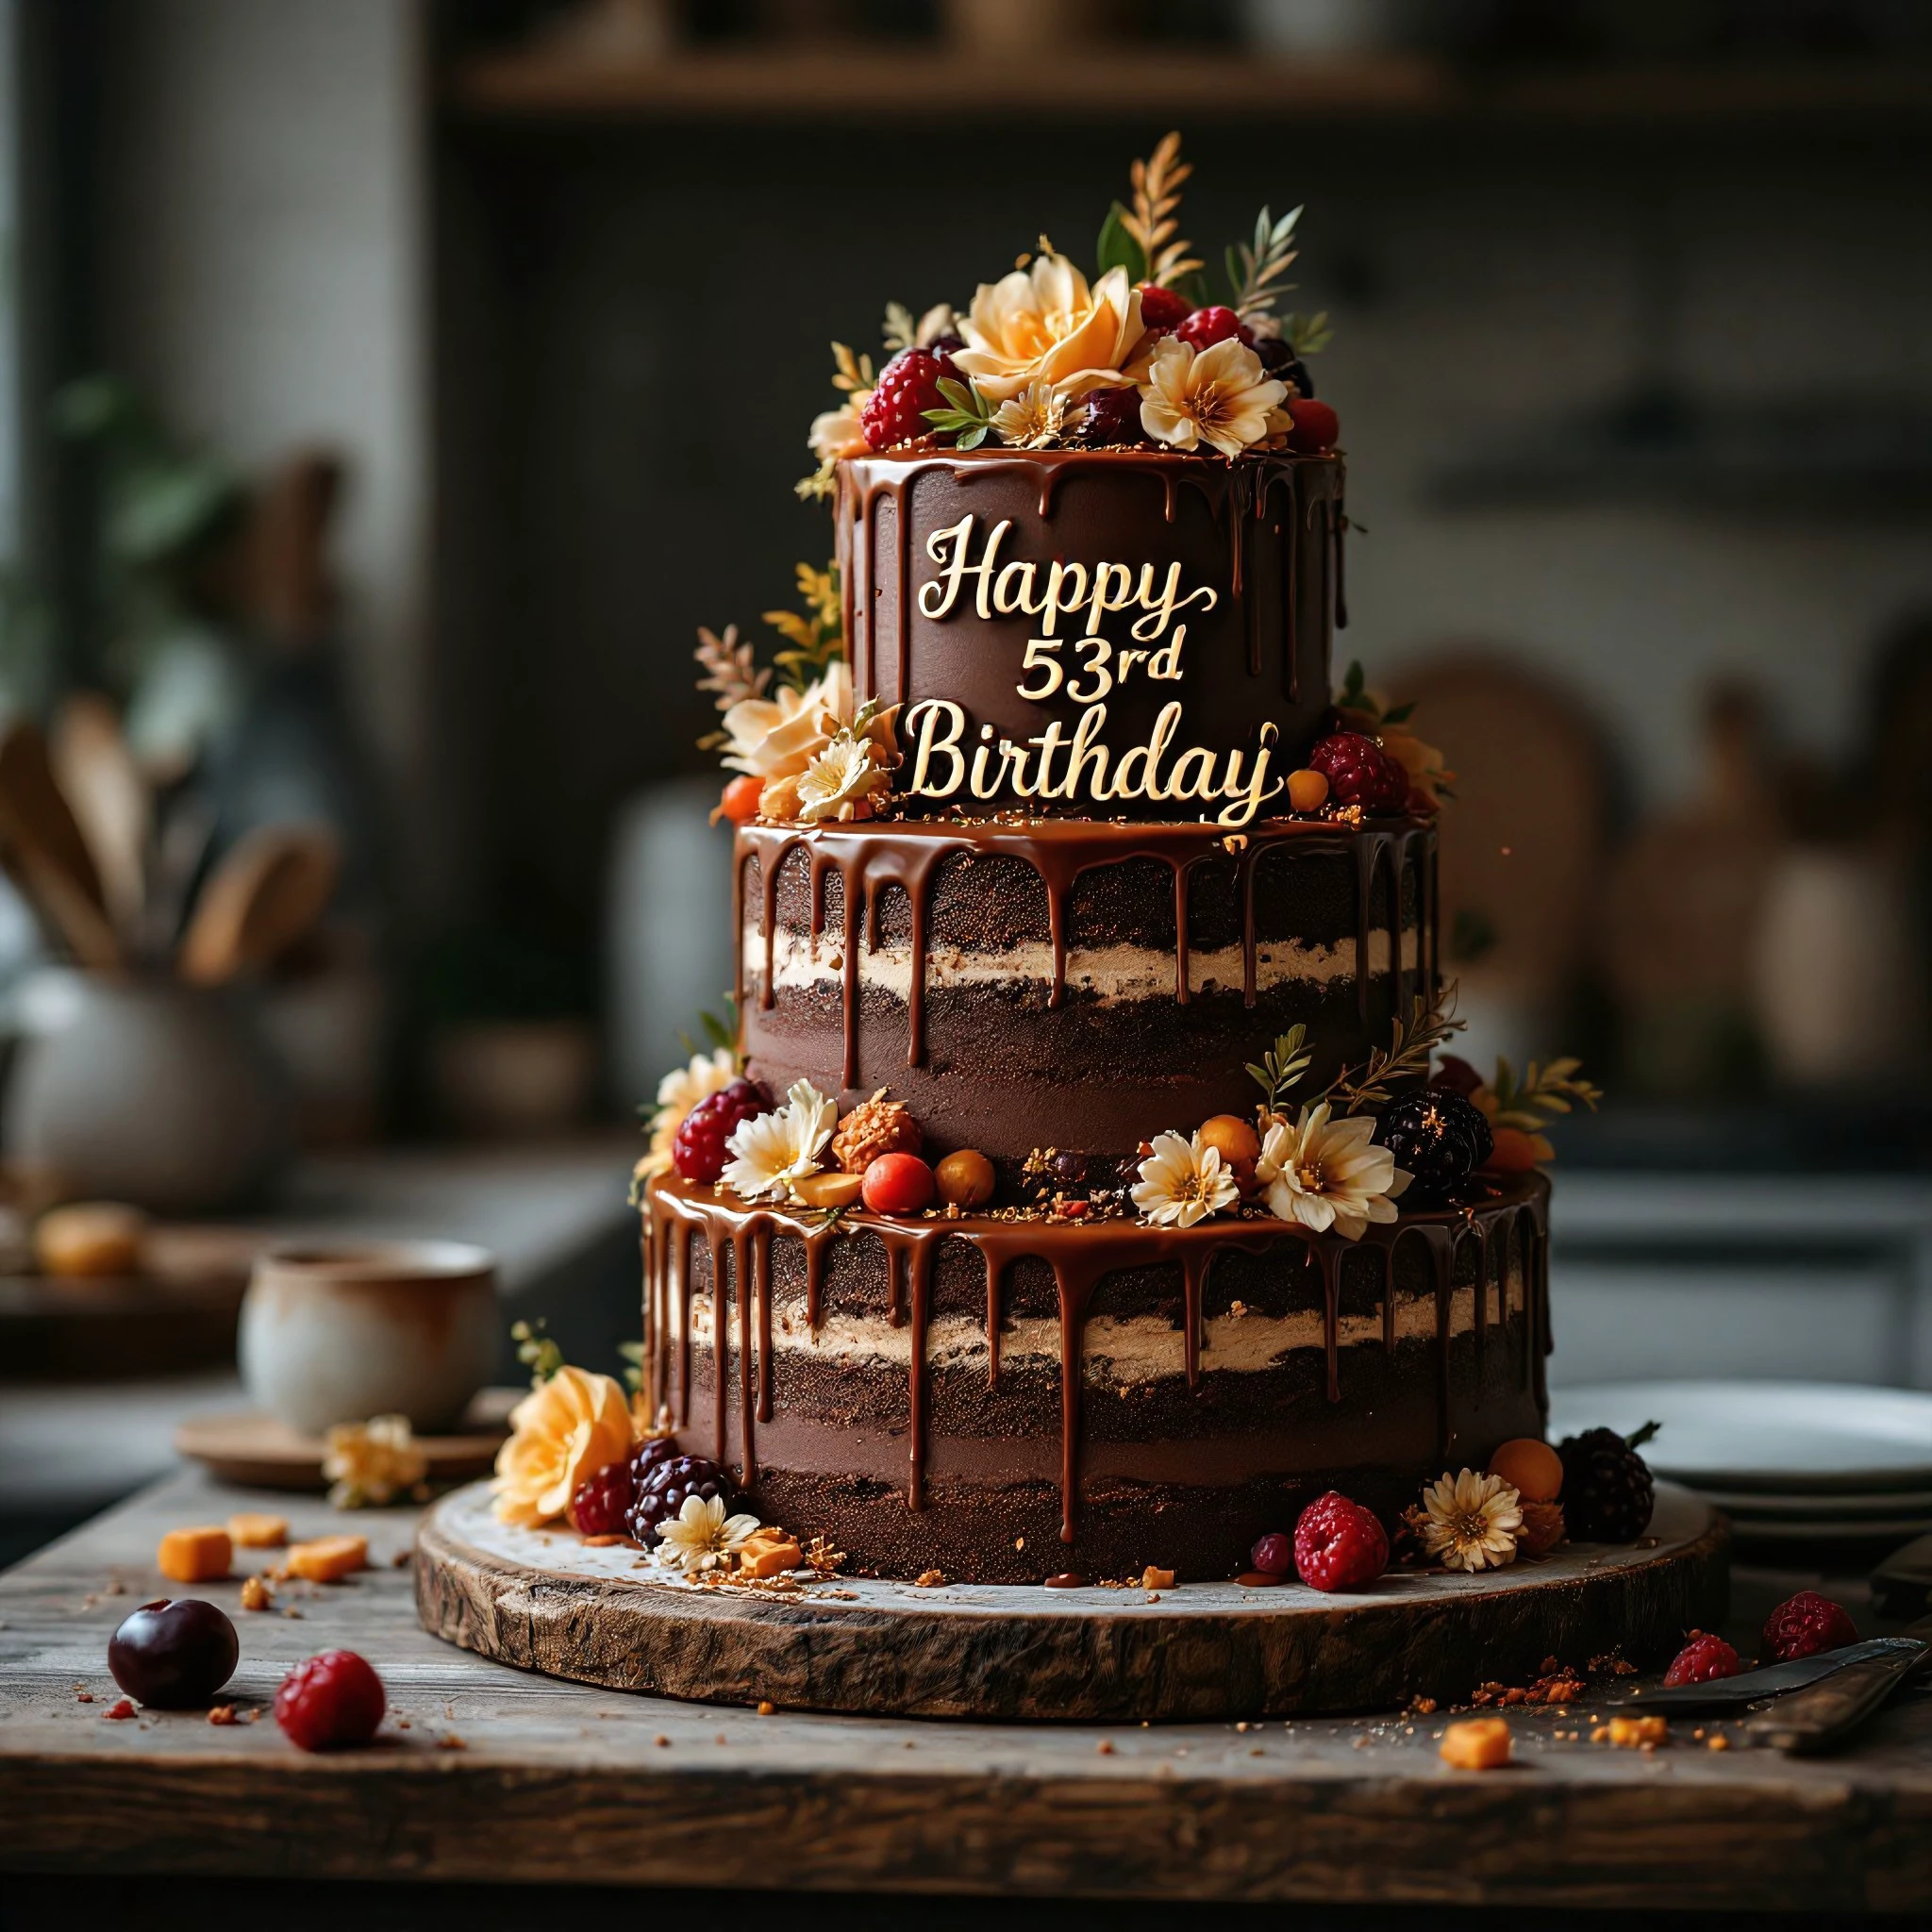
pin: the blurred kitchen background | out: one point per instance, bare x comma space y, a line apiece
388, 390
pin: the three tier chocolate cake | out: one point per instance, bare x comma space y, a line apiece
1077, 1192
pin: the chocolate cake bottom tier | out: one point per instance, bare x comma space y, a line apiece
903, 1388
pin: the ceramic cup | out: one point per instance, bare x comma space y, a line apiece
336, 1334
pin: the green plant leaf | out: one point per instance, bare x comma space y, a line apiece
1116, 248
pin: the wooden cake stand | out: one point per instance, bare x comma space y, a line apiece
544, 1601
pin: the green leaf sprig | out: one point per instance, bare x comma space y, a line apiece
1255, 268
537, 1350
967, 412
1411, 1045
1281, 1067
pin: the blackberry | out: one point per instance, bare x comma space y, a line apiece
1439, 1139
1281, 362
1607, 1490
1110, 416
664, 1490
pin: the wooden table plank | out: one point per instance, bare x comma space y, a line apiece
499, 1775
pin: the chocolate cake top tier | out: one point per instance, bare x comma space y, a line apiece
1102, 633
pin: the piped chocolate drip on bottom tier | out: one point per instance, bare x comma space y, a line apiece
1079, 1255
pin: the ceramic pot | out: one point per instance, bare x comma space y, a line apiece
149, 1091
340, 1334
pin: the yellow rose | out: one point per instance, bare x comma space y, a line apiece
1045, 328
559, 1434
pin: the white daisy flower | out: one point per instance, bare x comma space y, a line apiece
1327, 1172
1472, 1520
1182, 1182
701, 1536
778, 1149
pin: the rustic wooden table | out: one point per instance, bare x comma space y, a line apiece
485, 1774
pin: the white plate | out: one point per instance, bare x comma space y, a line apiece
1803, 1438
1745, 1506
1852, 1535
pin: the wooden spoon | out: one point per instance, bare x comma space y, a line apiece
110, 799
45, 852
267, 894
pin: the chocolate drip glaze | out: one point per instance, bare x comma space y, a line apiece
1080, 1256
870, 857
1221, 520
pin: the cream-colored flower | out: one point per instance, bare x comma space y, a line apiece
776, 1150
678, 1092
1033, 418
775, 737
1044, 324
701, 1536
1182, 1182
839, 432
841, 782
370, 1464
560, 1433
1472, 1520
1220, 396
1326, 1173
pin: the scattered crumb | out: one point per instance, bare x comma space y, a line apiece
766, 1707
1018, 1542
450, 1742
222, 1714
83, 1697
1104, 1747
611, 1542
721, 1736
1643, 1733
660, 1739
257, 1595
292, 1611
1720, 1743
1242, 1726
401, 1560
1423, 1707
1256, 1752
928, 1579
116, 1712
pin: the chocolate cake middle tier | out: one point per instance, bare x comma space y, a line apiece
1073, 983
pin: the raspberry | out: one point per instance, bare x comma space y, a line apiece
1703, 1660
1339, 1544
664, 1488
1437, 1139
1607, 1490
698, 1150
1805, 1625
1274, 1555
1111, 415
1360, 772
1316, 426
602, 1500
1207, 326
908, 387
1161, 308
335, 1698
1281, 362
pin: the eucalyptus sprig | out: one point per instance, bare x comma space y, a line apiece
1543, 1092
1255, 268
1412, 1043
1306, 334
968, 412
1281, 1067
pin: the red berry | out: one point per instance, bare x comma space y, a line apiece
1207, 326
602, 1500
1703, 1660
1161, 308
739, 803
1339, 1544
1359, 772
908, 387
898, 1184
1316, 426
335, 1698
1274, 1555
698, 1150
1805, 1625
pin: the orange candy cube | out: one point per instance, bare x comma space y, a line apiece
1479, 1744
328, 1558
251, 1529
195, 1555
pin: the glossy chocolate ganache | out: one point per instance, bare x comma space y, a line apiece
1087, 911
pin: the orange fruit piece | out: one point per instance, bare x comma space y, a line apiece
1479, 1744
328, 1558
195, 1555
256, 1529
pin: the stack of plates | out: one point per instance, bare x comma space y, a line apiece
1809, 1470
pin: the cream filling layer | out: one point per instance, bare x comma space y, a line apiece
1125, 1350
1111, 973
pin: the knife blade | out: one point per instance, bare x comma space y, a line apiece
1830, 1713
1736, 1693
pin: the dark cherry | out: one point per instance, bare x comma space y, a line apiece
173, 1656
1282, 363
1274, 1555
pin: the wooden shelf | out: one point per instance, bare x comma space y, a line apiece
759, 82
